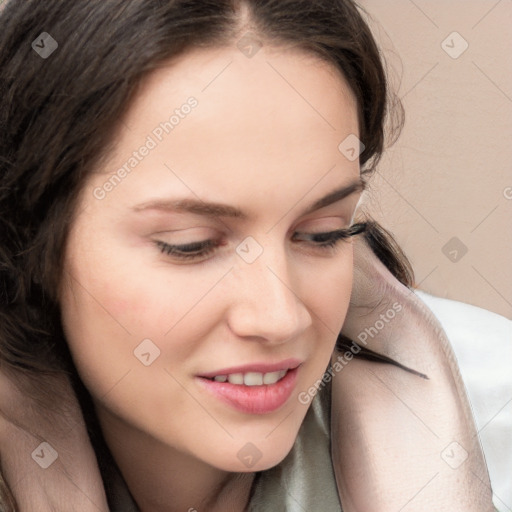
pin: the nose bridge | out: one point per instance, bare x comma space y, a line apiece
266, 302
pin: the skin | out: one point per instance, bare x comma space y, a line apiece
254, 143
368, 422
393, 427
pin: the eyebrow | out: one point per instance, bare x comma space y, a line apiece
211, 209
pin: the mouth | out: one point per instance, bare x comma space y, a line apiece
253, 392
255, 374
250, 378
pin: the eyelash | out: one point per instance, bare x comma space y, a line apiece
196, 250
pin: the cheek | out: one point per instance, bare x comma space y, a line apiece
100, 344
111, 306
116, 335
113, 299
329, 289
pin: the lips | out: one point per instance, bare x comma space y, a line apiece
255, 399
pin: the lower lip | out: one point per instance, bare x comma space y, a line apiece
253, 399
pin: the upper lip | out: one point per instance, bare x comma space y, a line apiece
255, 367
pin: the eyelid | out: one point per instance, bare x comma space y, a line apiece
197, 239
205, 247
312, 223
205, 228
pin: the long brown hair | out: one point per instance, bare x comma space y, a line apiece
59, 117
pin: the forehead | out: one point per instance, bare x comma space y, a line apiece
273, 121
226, 79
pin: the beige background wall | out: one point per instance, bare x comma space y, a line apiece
449, 176
450, 173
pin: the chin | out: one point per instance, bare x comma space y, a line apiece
256, 456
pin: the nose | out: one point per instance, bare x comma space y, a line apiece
266, 302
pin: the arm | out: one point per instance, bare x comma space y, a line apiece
400, 441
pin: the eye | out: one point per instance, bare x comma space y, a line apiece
200, 250
189, 251
330, 239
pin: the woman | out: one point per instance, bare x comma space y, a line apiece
180, 181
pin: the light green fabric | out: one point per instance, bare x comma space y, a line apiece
302, 482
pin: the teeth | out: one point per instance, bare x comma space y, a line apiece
236, 378
251, 378
272, 377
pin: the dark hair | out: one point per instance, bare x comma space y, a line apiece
59, 118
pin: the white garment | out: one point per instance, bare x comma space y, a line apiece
482, 342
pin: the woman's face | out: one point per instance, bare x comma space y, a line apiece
258, 134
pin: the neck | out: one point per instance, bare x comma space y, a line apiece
162, 479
